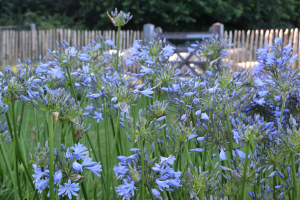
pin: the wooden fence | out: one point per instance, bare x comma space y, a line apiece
25, 44
246, 43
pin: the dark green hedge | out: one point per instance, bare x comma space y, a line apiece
172, 15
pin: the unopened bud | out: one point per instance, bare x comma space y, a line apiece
55, 117
134, 175
96, 183
75, 177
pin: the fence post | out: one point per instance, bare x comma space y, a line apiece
33, 39
158, 31
148, 30
218, 28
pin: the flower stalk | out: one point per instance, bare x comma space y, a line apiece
293, 173
118, 50
51, 155
143, 169
245, 170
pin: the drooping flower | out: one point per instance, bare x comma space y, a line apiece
156, 193
57, 177
95, 169
222, 155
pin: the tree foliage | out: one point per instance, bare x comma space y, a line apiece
171, 15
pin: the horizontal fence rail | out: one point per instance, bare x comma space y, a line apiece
246, 43
25, 44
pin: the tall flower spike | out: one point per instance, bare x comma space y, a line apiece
119, 19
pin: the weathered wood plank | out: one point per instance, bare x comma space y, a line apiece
256, 43
251, 48
295, 46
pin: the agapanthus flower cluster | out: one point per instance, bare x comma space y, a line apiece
70, 165
119, 19
159, 175
211, 48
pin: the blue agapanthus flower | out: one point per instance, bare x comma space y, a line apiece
69, 189
79, 151
69, 167
161, 174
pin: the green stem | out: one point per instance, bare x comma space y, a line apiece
15, 135
106, 136
298, 191
207, 64
118, 49
94, 152
21, 118
4, 154
98, 139
245, 170
230, 139
113, 155
155, 145
71, 83
201, 192
84, 191
165, 142
282, 106
203, 160
188, 156
274, 184
115, 135
21, 158
143, 168
294, 177
51, 156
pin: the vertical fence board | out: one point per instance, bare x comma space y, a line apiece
127, 40
114, 37
8, 46
246, 49
124, 40
121, 41
276, 33
298, 67
238, 52
251, 48
261, 39
4, 47
291, 36
286, 37
271, 37
234, 49
130, 38
256, 43
230, 43
281, 35
295, 46
225, 37
267, 33
17, 44
1, 50
11, 43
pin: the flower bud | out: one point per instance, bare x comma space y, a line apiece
134, 175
